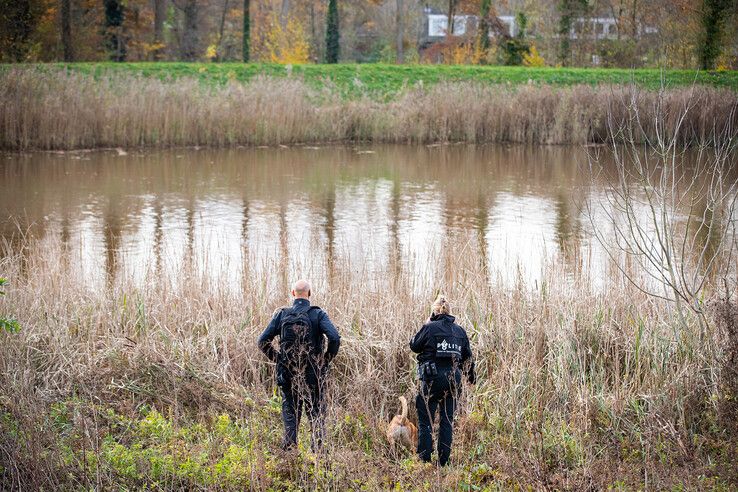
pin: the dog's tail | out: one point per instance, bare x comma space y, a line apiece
403, 402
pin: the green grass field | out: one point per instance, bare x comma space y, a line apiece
381, 80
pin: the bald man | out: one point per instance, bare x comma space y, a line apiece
301, 362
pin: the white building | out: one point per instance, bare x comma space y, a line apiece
437, 24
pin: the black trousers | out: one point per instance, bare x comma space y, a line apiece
303, 393
438, 393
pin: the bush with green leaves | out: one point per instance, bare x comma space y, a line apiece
513, 48
9, 325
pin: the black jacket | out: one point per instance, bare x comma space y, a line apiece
322, 328
444, 342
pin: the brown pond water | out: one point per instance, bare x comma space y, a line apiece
279, 213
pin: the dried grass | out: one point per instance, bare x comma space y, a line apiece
577, 389
54, 109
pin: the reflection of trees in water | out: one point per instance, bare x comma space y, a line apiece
64, 236
112, 225
482, 225
467, 179
329, 214
190, 260
395, 226
568, 223
245, 250
284, 248
158, 238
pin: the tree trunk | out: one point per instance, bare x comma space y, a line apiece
618, 16
483, 28
451, 15
66, 30
190, 34
160, 13
400, 32
114, 14
221, 30
315, 45
569, 11
634, 19
246, 30
284, 13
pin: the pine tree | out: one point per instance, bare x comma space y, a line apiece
332, 35
484, 25
246, 30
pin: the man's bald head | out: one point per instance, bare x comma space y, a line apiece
301, 289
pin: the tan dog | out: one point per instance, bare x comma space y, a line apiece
401, 430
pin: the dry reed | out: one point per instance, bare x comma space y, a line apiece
54, 109
576, 389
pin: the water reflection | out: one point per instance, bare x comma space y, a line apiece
87, 248
521, 237
281, 213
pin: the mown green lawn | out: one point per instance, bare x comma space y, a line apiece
381, 80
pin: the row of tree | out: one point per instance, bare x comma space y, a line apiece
120, 30
717, 23
672, 33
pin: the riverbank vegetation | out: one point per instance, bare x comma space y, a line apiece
384, 81
149, 385
581, 384
55, 109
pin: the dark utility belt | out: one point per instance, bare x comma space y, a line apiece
427, 370
430, 369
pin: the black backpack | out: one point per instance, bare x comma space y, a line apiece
296, 338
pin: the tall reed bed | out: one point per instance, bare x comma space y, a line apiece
56, 109
164, 387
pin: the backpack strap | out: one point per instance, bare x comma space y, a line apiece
279, 310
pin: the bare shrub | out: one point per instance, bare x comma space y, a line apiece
671, 219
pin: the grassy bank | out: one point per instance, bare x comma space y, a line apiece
382, 81
162, 387
48, 108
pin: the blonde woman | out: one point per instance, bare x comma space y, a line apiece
444, 355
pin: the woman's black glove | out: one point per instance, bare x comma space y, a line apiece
469, 372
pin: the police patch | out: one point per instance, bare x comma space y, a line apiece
448, 347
